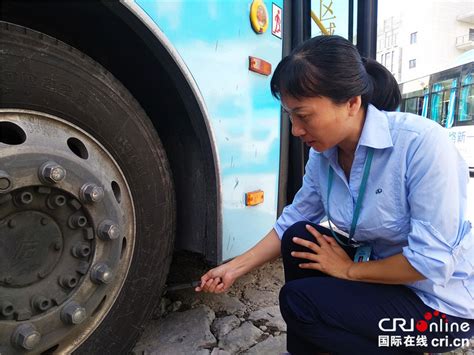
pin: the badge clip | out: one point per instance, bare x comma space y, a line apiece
363, 253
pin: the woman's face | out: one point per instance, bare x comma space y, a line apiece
318, 121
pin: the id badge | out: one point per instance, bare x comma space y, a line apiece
363, 253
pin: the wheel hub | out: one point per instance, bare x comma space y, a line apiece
28, 257
66, 239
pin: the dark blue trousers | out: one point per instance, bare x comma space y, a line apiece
327, 314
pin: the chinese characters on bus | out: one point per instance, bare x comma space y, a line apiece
458, 137
326, 15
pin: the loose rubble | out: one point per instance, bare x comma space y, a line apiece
180, 333
246, 320
241, 338
222, 326
270, 346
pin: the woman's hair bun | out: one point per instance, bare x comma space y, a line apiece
386, 93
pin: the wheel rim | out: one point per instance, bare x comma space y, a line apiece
67, 232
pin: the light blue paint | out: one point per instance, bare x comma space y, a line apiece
237, 238
215, 38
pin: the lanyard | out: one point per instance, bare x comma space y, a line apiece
360, 198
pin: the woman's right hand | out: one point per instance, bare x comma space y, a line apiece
218, 280
221, 278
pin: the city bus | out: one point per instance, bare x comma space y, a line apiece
446, 97
130, 129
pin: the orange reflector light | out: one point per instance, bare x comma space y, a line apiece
260, 66
254, 198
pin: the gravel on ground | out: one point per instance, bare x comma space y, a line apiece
245, 320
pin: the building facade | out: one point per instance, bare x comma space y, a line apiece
422, 37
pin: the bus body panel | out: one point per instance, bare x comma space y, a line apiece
463, 138
215, 40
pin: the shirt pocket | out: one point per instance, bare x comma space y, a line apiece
385, 205
386, 218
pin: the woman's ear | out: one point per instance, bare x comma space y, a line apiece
354, 104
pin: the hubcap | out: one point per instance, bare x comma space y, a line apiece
66, 240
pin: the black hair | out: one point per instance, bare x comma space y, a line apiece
331, 66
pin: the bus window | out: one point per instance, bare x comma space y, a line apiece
440, 94
451, 108
414, 105
466, 100
333, 18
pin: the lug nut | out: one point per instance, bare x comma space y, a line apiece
91, 193
26, 336
101, 273
41, 303
72, 313
6, 308
81, 250
77, 221
68, 281
52, 173
109, 230
56, 201
25, 198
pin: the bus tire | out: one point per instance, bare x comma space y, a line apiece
57, 90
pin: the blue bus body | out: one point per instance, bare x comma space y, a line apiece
215, 40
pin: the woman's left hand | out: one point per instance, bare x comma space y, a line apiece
327, 255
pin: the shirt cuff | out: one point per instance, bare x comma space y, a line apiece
288, 217
429, 253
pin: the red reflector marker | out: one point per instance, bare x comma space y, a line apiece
259, 66
254, 198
